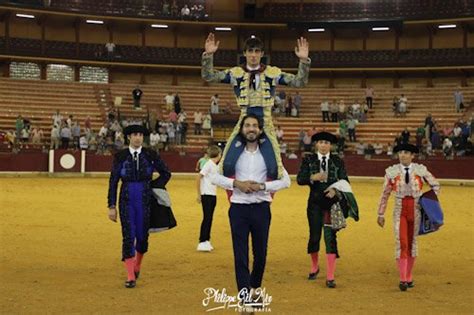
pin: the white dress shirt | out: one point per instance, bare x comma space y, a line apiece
251, 166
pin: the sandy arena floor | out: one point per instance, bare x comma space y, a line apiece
60, 254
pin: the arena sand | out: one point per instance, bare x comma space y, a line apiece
60, 254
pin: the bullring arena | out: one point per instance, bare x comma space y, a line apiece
76, 63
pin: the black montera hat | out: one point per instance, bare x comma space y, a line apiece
135, 129
405, 147
323, 135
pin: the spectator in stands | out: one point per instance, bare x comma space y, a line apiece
378, 147
119, 140
57, 118
343, 128
428, 125
334, 109
197, 122
403, 105
87, 123
110, 49
37, 135
185, 12
369, 151
448, 149
207, 124
420, 135
173, 118
341, 145
356, 110
288, 105
395, 105
164, 141
182, 116
307, 142
458, 100
457, 130
65, 136
297, 100
83, 143
179, 133
76, 134
351, 129
165, 9
325, 110
301, 136
215, 104
55, 136
360, 148
137, 95
390, 150
115, 127
169, 101
25, 135
435, 138
369, 94
93, 144
69, 121
103, 131
154, 140
279, 134
405, 136
184, 132
342, 110
177, 103
174, 8
19, 125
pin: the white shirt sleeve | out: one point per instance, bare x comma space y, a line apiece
206, 169
222, 181
279, 184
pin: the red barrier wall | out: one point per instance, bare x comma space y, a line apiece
460, 168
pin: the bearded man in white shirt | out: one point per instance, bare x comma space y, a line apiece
249, 211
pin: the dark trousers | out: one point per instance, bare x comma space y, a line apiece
248, 219
325, 116
334, 117
352, 135
208, 205
369, 102
316, 226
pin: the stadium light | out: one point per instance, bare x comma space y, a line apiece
316, 30
94, 22
383, 28
159, 26
26, 16
224, 29
252, 36
447, 26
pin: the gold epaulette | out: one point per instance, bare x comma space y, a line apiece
272, 72
237, 72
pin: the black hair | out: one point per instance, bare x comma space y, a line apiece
251, 115
253, 42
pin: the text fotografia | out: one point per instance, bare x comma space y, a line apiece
255, 300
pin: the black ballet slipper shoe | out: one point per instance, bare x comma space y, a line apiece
312, 275
331, 284
403, 286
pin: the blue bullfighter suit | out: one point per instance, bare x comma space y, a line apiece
135, 171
